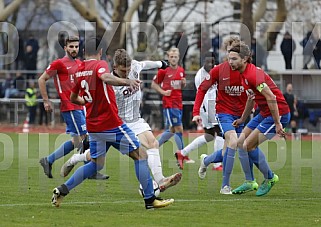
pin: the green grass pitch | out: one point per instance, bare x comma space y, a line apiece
25, 192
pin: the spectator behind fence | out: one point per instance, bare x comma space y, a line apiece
308, 45
31, 101
12, 86
30, 61
287, 48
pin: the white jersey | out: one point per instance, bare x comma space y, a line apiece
128, 102
207, 111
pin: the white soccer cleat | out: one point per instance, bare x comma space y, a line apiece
203, 168
68, 166
226, 190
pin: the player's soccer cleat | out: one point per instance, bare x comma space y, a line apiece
170, 181
67, 167
218, 168
226, 190
203, 167
188, 160
58, 195
98, 176
181, 159
266, 185
247, 186
159, 203
47, 167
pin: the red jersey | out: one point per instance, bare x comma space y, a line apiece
231, 96
252, 78
101, 108
63, 71
171, 79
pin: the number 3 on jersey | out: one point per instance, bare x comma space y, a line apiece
85, 86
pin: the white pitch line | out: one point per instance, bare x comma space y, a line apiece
176, 200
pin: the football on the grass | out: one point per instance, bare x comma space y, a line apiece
156, 189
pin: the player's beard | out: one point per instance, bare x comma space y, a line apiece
72, 54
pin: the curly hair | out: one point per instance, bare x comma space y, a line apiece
242, 49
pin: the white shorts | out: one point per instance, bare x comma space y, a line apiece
208, 120
139, 126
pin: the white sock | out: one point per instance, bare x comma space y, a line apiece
198, 142
154, 164
79, 157
217, 164
218, 143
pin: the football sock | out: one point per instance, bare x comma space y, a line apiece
154, 164
228, 163
258, 158
247, 164
215, 157
79, 158
196, 143
144, 178
164, 137
179, 140
82, 173
63, 150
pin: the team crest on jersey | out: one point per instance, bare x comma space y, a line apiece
101, 70
181, 74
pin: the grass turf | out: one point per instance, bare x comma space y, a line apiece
25, 191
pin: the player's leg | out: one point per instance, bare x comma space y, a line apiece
99, 145
167, 134
75, 126
148, 141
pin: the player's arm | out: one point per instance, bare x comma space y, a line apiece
154, 64
201, 91
273, 106
158, 88
43, 91
246, 113
76, 99
110, 79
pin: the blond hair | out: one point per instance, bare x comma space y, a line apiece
122, 58
173, 50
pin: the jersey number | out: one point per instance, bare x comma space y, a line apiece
85, 86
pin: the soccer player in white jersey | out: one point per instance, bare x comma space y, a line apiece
207, 113
128, 103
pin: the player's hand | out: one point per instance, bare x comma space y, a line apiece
47, 105
279, 130
167, 93
183, 81
197, 119
237, 123
164, 64
134, 84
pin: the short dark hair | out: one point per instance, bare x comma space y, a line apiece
92, 46
71, 39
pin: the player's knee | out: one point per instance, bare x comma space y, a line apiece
232, 144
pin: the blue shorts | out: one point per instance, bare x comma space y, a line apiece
75, 121
122, 138
173, 117
266, 125
225, 122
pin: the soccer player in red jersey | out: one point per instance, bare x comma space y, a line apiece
63, 71
105, 127
274, 114
169, 83
230, 102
